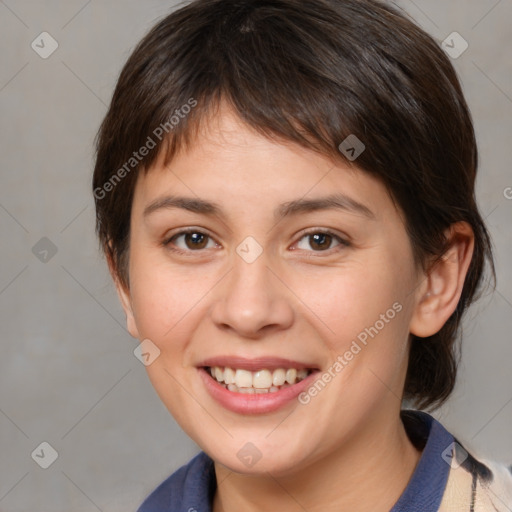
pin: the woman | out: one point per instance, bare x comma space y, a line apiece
285, 196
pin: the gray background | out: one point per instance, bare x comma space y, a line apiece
68, 375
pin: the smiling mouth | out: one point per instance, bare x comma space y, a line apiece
258, 382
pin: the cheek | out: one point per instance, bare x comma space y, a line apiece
347, 300
362, 314
162, 299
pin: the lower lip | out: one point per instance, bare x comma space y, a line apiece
260, 403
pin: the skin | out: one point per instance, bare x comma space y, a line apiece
347, 448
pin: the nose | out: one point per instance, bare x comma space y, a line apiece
253, 301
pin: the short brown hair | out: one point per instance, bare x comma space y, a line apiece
312, 72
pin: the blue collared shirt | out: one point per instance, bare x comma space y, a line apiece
192, 487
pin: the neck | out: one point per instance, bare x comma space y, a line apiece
368, 474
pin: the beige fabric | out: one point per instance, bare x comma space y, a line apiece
492, 495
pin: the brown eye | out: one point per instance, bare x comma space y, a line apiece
196, 240
189, 241
320, 241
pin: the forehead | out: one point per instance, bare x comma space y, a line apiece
230, 163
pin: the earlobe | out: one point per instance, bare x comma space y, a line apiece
440, 294
125, 299
123, 292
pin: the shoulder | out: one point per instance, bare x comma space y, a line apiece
477, 484
189, 487
451, 474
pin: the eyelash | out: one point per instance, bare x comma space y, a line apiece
342, 242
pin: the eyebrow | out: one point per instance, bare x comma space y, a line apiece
331, 202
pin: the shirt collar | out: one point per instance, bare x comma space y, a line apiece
192, 487
426, 487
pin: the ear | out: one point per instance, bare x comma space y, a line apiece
123, 292
440, 291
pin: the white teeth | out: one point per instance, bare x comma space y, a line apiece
229, 376
302, 374
291, 375
278, 377
243, 379
219, 374
261, 381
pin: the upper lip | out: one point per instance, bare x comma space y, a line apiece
254, 364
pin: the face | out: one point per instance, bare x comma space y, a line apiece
276, 263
